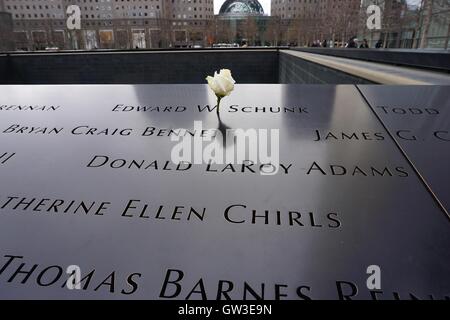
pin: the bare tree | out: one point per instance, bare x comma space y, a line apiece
427, 10
225, 31
210, 32
273, 31
250, 30
340, 22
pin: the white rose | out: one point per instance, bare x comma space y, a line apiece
222, 83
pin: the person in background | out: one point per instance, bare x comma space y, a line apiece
324, 44
379, 44
352, 43
364, 44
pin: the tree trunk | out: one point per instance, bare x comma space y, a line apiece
448, 35
426, 22
385, 40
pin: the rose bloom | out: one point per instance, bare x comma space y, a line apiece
222, 83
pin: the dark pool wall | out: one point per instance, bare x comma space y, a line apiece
171, 67
438, 60
249, 66
295, 70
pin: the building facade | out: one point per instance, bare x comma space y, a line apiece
146, 24
397, 24
110, 24
435, 25
6, 32
295, 9
304, 22
424, 24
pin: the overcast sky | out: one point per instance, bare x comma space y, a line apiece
266, 5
